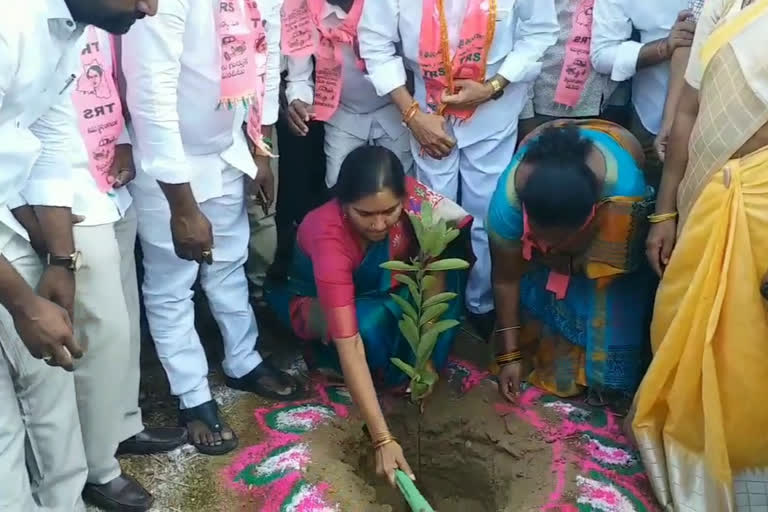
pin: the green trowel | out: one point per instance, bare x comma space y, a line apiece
411, 494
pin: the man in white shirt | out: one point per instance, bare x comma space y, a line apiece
663, 26
358, 115
193, 161
43, 463
454, 156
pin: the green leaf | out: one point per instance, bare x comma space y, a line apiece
432, 313
437, 299
418, 227
419, 390
405, 367
451, 235
412, 287
410, 331
426, 214
431, 241
428, 283
429, 377
406, 306
447, 264
429, 338
398, 266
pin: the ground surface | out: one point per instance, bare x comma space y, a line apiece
470, 452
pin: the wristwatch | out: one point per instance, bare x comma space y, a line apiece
71, 262
498, 89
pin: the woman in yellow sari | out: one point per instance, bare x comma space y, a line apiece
701, 419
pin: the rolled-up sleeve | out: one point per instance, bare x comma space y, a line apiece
50, 179
613, 53
151, 58
537, 30
299, 85
378, 36
271, 13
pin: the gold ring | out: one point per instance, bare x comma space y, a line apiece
206, 253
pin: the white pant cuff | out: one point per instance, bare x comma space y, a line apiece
244, 366
196, 397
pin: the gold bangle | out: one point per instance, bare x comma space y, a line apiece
662, 217
505, 329
384, 443
509, 357
411, 112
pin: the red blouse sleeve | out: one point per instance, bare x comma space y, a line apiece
335, 257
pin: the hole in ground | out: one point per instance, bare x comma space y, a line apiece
464, 458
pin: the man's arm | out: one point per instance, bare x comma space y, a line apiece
151, 58
378, 34
537, 30
271, 14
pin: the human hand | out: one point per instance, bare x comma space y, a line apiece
58, 286
46, 330
660, 142
510, 377
681, 35
390, 458
469, 94
299, 114
659, 244
261, 189
123, 170
192, 236
429, 131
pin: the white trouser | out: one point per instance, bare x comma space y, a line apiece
478, 167
168, 282
107, 376
42, 461
339, 144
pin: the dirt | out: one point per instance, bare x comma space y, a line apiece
465, 457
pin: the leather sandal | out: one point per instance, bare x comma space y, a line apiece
208, 414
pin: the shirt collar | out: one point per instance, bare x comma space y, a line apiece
334, 9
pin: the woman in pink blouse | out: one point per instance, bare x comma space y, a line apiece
337, 291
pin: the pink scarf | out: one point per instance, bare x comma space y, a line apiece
304, 34
98, 108
438, 68
243, 47
576, 66
557, 282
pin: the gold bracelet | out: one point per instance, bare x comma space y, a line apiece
411, 112
505, 329
384, 443
509, 357
661, 217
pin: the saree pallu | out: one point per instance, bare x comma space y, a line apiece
378, 314
701, 422
597, 335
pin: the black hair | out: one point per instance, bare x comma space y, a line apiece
368, 170
561, 189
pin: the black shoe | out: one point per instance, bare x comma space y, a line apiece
153, 440
267, 381
123, 494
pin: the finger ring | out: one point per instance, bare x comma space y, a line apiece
206, 253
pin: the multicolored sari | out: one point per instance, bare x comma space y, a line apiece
596, 335
701, 422
314, 313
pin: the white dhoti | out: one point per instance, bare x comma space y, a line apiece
107, 324
474, 169
168, 282
42, 461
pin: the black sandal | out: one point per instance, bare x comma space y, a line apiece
208, 414
251, 382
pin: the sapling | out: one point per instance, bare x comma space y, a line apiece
421, 324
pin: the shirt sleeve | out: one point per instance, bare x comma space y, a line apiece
378, 36
271, 14
151, 59
712, 12
299, 84
613, 52
50, 179
537, 30
334, 268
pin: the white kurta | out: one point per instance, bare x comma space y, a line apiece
172, 68
615, 53
485, 142
362, 117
